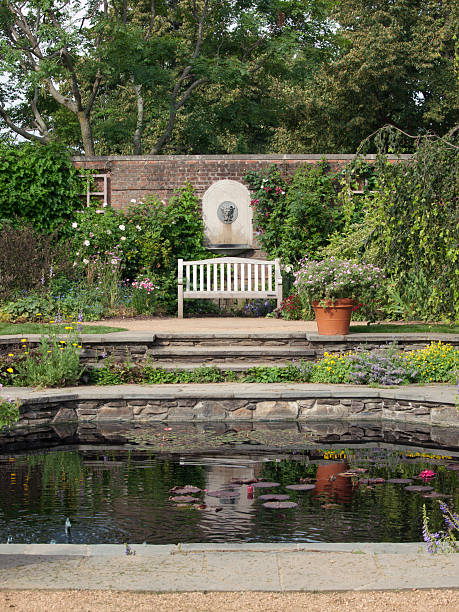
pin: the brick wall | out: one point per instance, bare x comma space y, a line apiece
133, 177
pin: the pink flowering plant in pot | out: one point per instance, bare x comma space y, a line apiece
333, 284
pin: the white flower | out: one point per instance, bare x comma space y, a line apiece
86, 243
85, 261
122, 227
138, 227
74, 224
123, 237
109, 232
133, 201
104, 205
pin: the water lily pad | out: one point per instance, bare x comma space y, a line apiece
265, 485
224, 494
330, 506
400, 480
418, 489
372, 481
348, 474
274, 497
280, 505
301, 487
185, 499
435, 495
185, 490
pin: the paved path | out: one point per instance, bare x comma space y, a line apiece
227, 567
210, 325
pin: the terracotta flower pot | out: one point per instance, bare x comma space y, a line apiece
333, 318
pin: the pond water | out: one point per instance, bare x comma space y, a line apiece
121, 492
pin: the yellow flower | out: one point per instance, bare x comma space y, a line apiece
26, 352
62, 341
10, 370
39, 314
52, 321
74, 344
23, 339
10, 355
68, 327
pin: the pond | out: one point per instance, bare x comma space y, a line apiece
125, 490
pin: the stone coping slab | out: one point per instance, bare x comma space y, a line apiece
150, 337
446, 394
151, 550
227, 567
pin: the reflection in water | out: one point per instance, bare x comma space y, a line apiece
117, 496
332, 486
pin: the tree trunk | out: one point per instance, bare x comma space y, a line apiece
139, 125
86, 133
166, 134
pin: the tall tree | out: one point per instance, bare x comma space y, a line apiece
136, 65
48, 48
396, 66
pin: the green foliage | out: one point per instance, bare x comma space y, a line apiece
29, 308
394, 65
9, 412
38, 185
294, 216
55, 363
276, 374
409, 226
168, 233
438, 362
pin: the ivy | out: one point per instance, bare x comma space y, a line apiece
38, 185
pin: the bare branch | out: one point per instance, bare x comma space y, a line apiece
22, 132
152, 19
188, 92
95, 89
41, 125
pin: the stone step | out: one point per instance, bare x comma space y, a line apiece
234, 366
199, 354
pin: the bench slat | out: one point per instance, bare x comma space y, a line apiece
229, 277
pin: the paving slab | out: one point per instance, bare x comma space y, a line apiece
229, 567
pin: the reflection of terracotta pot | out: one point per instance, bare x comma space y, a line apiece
328, 481
333, 318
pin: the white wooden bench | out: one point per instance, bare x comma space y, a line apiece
228, 277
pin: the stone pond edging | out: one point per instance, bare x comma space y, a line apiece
430, 405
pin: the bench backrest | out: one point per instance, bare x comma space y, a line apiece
229, 275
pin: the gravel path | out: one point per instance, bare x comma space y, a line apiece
115, 601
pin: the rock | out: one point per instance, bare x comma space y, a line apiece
276, 410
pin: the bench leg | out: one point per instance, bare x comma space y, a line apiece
180, 302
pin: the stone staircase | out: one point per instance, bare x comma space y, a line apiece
235, 351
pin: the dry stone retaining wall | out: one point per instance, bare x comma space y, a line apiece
199, 410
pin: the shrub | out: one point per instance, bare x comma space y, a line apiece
294, 216
29, 260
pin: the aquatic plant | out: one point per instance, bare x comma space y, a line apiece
444, 540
